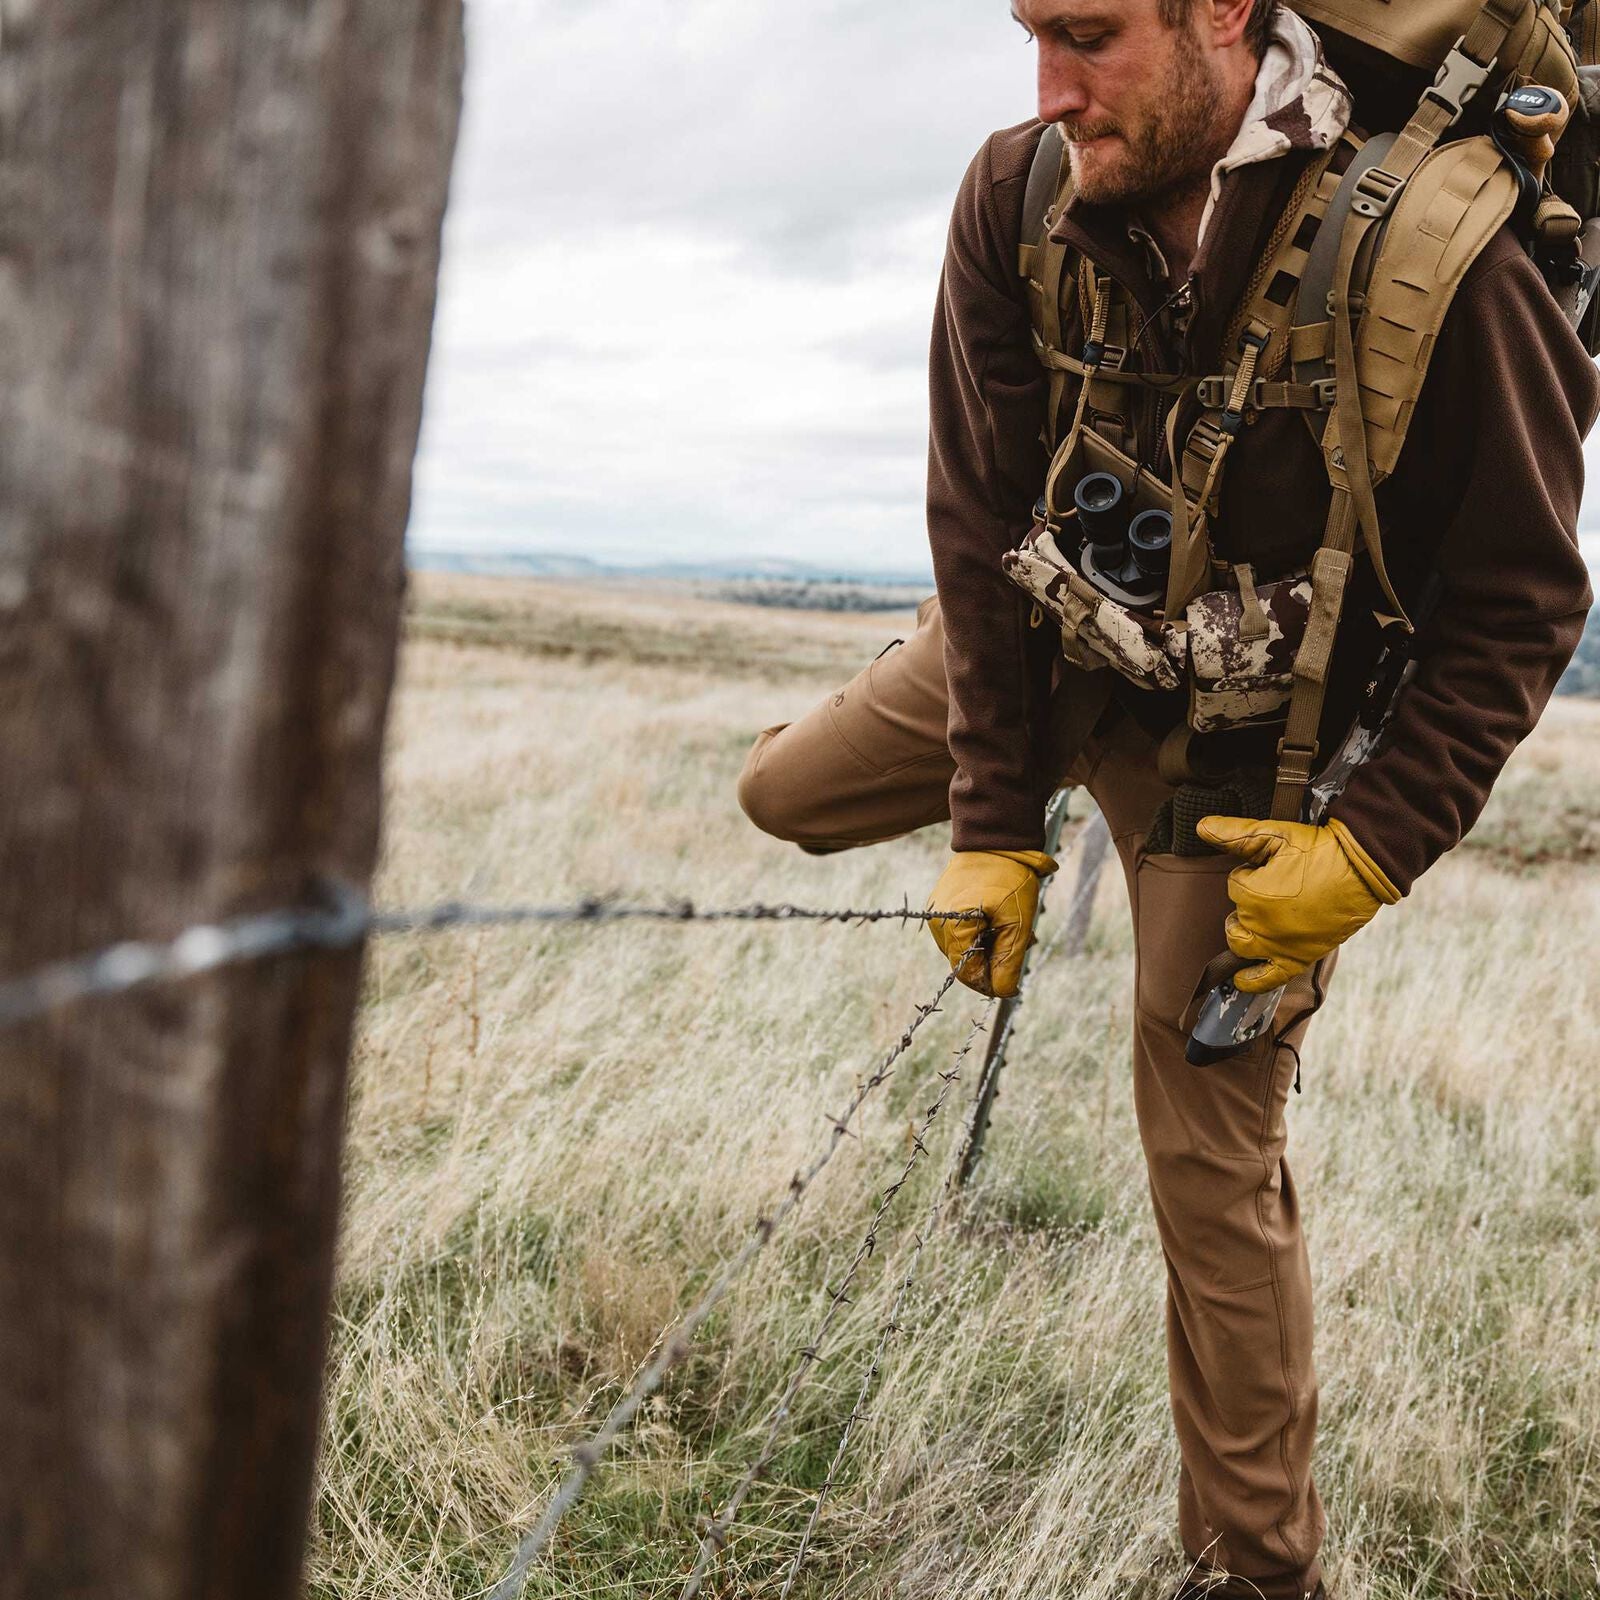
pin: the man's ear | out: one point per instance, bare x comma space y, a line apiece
1228, 20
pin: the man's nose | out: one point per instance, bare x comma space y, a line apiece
1062, 92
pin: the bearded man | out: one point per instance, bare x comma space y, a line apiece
1189, 124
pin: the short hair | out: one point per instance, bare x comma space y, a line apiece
1257, 31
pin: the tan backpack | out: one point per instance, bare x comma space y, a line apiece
1340, 321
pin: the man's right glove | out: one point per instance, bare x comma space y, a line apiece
1302, 892
1004, 884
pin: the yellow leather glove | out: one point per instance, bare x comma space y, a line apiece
1004, 884
1303, 891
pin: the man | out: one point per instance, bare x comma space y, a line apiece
1188, 124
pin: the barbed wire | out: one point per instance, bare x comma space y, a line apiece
716, 1534
344, 921
891, 1326
675, 1346
459, 914
1091, 841
205, 947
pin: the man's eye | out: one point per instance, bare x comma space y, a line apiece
1090, 46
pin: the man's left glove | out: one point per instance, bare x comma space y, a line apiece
1004, 885
1302, 892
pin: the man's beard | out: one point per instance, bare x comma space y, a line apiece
1173, 150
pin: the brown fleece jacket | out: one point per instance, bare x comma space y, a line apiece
1486, 496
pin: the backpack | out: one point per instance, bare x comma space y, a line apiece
1339, 323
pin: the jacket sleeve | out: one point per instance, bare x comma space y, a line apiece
1517, 390
986, 467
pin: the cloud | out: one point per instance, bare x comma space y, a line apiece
792, 129
690, 268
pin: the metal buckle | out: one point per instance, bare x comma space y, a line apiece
1376, 192
1115, 357
1459, 79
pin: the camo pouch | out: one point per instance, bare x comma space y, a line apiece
1095, 630
1241, 647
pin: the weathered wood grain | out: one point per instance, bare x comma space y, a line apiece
219, 236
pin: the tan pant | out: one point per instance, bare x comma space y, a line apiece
871, 762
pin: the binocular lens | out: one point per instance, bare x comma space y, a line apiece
1150, 541
1099, 499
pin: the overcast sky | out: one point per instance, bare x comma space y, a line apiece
690, 263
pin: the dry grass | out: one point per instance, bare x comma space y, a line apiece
556, 1136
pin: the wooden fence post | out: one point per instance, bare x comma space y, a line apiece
219, 235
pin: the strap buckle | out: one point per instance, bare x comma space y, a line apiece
1212, 392
1296, 762
1327, 393
1459, 79
1376, 192
1096, 353
1204, 440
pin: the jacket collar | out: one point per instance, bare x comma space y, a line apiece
1300, 103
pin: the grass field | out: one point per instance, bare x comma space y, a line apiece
556, 1136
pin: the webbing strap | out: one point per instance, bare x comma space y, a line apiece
1191, 554
1094, 347
1159, 382
1052, 274
1349, 458
1043, 260
1039, 198
1198, 471
1273, 290
1330, 572
1311, 344
1258, 345
1266, 394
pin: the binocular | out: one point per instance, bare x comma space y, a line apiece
1125, 554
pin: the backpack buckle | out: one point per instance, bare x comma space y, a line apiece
1327, 393
1212, 393
1376, 192
1297, 762
1205, 439
1459, 79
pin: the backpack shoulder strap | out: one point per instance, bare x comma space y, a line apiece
1042, 263
1455, 202
1458, 200
1046, 178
